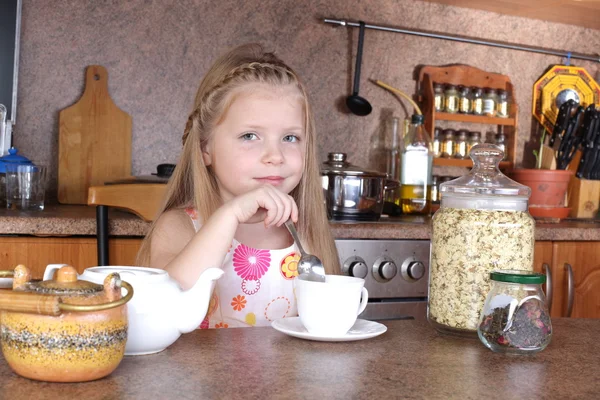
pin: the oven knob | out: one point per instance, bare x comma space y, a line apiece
415, 270
358, 269
387, 270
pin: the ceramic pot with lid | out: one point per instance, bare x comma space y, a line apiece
482, 225
351, 192
63, 330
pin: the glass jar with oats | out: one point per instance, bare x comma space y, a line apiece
482, 225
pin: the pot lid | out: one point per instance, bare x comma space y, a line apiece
485, 179
13, 158
336, 164
65, 282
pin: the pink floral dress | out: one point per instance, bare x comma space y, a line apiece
256, 287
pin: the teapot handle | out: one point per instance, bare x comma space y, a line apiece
31, 303
43, 304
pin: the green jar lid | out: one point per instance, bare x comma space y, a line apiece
513, 276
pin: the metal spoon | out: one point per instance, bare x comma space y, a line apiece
358, 105
309, 266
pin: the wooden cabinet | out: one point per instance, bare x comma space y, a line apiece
574, 275
36, 253
468, 76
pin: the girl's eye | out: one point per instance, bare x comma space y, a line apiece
291, 138
249, 136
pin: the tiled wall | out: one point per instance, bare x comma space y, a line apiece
156, 52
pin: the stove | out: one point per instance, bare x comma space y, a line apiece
396, 275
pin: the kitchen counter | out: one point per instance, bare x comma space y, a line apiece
75, 220
409, 361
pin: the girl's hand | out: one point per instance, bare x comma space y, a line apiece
265, 203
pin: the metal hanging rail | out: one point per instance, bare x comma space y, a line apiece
511, 46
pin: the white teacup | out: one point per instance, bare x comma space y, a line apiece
330, 308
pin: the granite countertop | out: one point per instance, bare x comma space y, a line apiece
80, 220
410, 361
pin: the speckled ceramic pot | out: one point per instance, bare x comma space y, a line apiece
63, 330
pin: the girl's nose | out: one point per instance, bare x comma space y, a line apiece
272, 154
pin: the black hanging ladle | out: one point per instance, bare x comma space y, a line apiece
356, 104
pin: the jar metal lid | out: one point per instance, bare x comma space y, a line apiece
515, 276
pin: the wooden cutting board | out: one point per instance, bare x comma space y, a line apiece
94, 144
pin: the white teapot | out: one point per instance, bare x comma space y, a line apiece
160, 311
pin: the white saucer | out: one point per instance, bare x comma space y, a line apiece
362, 329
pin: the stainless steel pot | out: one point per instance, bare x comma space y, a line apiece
353, 193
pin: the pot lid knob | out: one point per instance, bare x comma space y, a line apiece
336, 157
66, 274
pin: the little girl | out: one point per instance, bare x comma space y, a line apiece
249, 163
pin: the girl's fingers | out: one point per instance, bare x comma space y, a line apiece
276, 211
294, 212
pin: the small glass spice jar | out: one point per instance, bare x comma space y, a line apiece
474, 139
438, 96
434, 188
490, 99
437, 142
502, 105
460, 144
515, 317
451, 99
500, 141
448, 143
477, 101
464, 100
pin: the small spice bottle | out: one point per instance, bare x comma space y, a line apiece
515, 317
490, 99
438, 96
460, 144
437, 142
450, 99
474, 139
448, 143
502, 105
434, 188
464, 100
500, 141
477, 101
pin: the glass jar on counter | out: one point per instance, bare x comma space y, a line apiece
474, 139
451, 99
477, 101
437, 142
515, 317
464, 100
490, 100
10, 159
482, 225
502, 106
460, 144
438, 96
448, 143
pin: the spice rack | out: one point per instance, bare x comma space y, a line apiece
467, 76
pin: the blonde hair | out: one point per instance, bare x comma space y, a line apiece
193, 184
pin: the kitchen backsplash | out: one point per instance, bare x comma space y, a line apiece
156, 53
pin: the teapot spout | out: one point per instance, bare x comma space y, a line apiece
193, 303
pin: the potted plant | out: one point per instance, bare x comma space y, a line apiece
548, 184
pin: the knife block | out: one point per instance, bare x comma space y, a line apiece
583, 198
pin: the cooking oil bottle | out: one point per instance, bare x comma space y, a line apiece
416, 171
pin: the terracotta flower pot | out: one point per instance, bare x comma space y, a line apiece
548, 186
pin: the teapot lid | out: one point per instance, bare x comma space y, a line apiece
336, 164
13, 158
485, 178
65, 282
